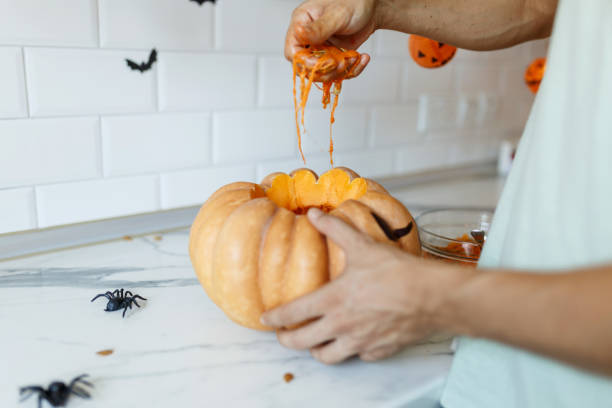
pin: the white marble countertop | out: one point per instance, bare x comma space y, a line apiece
179, 350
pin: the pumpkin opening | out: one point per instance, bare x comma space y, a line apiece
302, 191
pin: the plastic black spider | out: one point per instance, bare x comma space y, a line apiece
118, 300
58, 393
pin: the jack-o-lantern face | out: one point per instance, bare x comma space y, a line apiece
429, 53
535, 73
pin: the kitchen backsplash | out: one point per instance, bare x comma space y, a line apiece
83, 137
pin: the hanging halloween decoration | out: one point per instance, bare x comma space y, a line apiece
143, 66
253, 248
534, 74
429, 53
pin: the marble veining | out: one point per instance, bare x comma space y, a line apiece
178, 349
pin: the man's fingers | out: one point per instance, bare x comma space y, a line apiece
333, 352
307, 307
363, 62
308, 336
345, 236
301, 17
378, 353
333, 20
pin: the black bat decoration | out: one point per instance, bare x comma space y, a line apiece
393, 235
143, 66
200, 2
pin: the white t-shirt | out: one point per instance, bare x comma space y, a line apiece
555, 213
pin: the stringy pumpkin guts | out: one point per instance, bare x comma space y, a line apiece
326, 58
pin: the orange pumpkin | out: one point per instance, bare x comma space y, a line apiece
429, 53
535, 73
253, 248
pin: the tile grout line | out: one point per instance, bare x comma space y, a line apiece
213, 28
35, 209
25, 83
99, 24
156, 87
212, 143
100, 146
256, 88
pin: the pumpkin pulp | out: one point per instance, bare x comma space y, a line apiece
302, 191
328, 58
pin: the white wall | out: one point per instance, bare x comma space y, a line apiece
82, 137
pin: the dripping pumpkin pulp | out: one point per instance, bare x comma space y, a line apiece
311, 65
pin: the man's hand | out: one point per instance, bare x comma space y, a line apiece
382, 302
343, 23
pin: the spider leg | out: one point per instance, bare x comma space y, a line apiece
84, 382
139, 297
122, 293
80, 392
80, 379
135, 302
100, 295
125, 310
116, 292
128, 293
29, 391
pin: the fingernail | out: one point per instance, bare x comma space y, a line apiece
262, 320
314, 213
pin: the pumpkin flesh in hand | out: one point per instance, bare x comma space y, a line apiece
253, 248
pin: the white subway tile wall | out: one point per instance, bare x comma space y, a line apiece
18, 206
74, 81
13, 103
83, 137
206, 81
165, 24
193, 187
37, 151
151, 143
58, 23
241, 136
69, 203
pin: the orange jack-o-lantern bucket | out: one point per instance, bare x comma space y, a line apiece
429, 53
535, 73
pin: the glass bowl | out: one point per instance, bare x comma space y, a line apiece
445, 234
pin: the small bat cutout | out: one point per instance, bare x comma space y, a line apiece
143, 66
200, 2
393, 235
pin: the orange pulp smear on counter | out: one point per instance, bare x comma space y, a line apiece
328, 58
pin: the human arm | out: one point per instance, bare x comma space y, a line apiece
387, 299
471, 24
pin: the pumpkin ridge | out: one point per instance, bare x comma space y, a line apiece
287, 262
260, 252
216, 233
236, 272
214, 209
